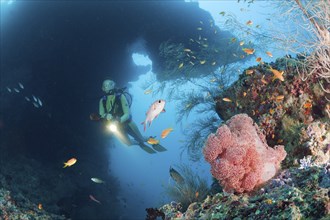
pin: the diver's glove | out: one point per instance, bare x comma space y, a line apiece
108, 117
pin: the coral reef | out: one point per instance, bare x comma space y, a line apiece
284, 110
239, 155
293, 194
10, 210
154, 213
317, 139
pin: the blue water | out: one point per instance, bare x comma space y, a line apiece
61, 52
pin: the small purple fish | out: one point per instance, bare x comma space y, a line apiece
155, 109
93, 199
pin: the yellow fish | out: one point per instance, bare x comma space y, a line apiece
152, 141
70, 162
188, 105
214, 63
227, 99
181, 65
186, 50
277, 74
148, 91
248, 50
279, 98
203, 61
241, 43
166, 132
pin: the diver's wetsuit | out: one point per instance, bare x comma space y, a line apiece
109, 104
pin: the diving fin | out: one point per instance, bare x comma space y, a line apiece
147, 149
158, 147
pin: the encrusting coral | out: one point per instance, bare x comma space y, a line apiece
240, 157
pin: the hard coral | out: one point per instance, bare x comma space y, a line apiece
239, 155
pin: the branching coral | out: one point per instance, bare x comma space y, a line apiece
239, 155
317, 15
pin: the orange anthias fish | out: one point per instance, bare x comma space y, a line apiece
308, 105
269, 54
249, 72
264, 81
93, 199
277, 74
39, 206
70, 162
258, 59
166, 132
197, 194
249, 22
248, 51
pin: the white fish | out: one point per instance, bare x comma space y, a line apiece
36, 105
21, 85
39, 102
27, 98
9, 90
155, 109
34, 98
16, 90
97, 180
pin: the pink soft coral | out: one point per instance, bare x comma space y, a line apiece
239, 155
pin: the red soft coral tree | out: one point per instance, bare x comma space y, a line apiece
239, 155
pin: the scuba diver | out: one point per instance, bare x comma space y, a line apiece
114, 108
